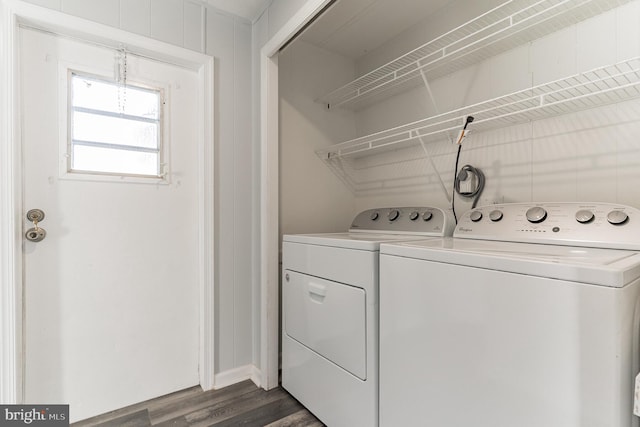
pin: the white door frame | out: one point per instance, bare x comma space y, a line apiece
269, 186
14, 13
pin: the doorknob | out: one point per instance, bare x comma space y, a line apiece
35, 234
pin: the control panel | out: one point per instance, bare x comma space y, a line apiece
602, 225
410, 220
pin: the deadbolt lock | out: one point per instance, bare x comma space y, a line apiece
35, 215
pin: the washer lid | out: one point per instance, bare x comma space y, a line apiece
354, 240
606, 267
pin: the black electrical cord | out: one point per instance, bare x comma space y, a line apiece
453, 192
462, 176
455, 171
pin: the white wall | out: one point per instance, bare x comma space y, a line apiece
195, 26
312, 198
260, 35
581, 156
229, 40
179, 22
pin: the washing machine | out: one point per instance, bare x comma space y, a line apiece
527, 317
330, 311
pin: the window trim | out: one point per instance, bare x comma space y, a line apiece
66, 72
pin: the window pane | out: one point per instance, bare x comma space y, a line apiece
114, 130
107, 160
114, 98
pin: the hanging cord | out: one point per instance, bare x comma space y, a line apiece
462, 176
455, 171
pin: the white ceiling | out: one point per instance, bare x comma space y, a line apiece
354, 27
249, 9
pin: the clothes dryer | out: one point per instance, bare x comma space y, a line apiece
528, 317
330, 311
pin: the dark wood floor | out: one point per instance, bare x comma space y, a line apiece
241, 404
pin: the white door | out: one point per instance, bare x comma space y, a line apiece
111, 293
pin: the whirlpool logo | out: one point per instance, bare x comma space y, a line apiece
36, 415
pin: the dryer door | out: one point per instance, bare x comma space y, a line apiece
328, 318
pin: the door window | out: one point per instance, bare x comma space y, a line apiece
114, 129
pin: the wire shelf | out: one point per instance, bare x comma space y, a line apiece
509, 25
602, 86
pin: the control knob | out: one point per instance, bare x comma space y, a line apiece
427, 216
393, 214
617, 217
536, 214
414, 215
495, 215
374, 216
584, 216
475, 216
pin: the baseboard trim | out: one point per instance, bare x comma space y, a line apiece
236, 375
256, 376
